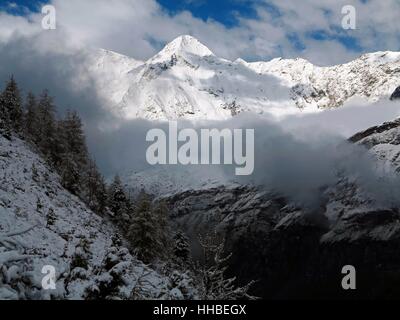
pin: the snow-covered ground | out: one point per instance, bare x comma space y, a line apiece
168, 180
43, 224
53, 227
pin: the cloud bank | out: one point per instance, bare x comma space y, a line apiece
311, 30
296, 156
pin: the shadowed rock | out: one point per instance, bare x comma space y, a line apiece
396, 94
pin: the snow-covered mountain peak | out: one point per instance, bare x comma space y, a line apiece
108, 59
182, 46
186, 80
382, 57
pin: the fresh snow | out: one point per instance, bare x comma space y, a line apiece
168, 180
30, 193
184, 46
186, 80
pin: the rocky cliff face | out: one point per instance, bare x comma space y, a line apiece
384, 142
296, 252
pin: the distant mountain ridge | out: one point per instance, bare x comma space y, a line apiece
186, 80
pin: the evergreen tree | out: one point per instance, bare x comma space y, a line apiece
119, 204
143, 232
71, 152
181, 246
116, 195
62, 143
11, 106
95, 193
46, 138
70, 173
82, 254
73, 138
5, 127
160, 214
50, 217
30, 118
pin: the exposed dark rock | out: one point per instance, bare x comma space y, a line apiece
294, 253
291, 252
376, 129
396, 94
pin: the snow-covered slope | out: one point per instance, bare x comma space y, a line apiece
43, 224
163, 181
372, 76
111, 73
384, 142
186, 80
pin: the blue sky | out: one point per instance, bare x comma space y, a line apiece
226, 12
223, 11
249, 29
32, 5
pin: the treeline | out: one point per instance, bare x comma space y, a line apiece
146, 226
61, 142
143, 222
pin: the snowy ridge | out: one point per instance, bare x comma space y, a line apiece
111, 73
372, 76
186, 80
183, 46
384, 142
160, 181
59, 230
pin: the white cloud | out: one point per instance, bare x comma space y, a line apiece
377, 26
41, 59
138, 28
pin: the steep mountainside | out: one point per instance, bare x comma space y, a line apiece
111, 73
186, 80
384, 141
43, 224
297, 252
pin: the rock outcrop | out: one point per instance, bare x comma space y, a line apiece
295, 252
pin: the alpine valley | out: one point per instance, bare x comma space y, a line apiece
143, 235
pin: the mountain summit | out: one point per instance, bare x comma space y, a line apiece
182, 46
186, 80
